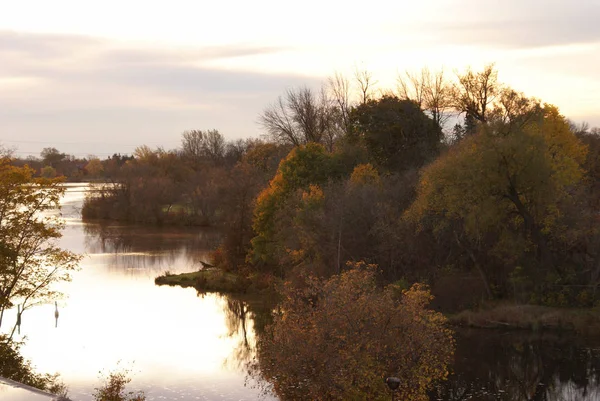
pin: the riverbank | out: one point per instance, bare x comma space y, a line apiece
504, 315
218, 280
530, 317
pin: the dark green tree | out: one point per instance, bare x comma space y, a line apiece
397, 134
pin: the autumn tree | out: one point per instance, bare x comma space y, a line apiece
30, 259
511, 182
94, 167
396, 133
48, 172
305, 165
338, 339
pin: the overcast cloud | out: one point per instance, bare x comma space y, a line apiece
66, 85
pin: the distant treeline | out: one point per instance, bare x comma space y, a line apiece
53, 163
460, 182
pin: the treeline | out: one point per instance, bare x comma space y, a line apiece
53, 163
460, 182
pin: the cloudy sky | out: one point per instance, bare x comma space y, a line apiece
98, 77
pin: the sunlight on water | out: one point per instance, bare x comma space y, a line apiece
177, 344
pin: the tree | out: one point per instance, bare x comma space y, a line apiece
474, 93
94, 167
511, 181
304, 165
192, 144
199, 146
48, 172
338, 339
431, 91
340, 89
365, 82
30, 260
396, 133
52, 157
301, 117
214, 146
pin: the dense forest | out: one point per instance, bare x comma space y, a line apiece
460, 182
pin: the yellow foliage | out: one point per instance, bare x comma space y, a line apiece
30, 260
365, 174
490, 177
352, 335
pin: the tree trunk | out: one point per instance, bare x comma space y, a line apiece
543, 251
477, 266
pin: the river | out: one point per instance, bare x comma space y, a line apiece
180, 345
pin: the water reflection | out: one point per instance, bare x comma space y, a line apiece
246, 318
136, 247
492, 365
179, 345
188, 346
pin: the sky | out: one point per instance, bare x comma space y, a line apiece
102, 77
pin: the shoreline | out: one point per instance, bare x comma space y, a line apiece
501, 315
217, 280
530, 318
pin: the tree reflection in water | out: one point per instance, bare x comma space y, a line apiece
246, 318
150, 247
493, 365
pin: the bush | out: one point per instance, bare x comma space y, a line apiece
337, 339
114, 389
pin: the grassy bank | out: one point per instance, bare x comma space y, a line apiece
216, 280
530, 317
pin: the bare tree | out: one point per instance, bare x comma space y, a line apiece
198, 145
365, 82
340, 89
475, 92
214, 145
431, 91
513, 109
412, 86
302, 116
192, 144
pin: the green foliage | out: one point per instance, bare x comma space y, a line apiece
397, 133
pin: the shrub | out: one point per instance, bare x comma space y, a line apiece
337, 339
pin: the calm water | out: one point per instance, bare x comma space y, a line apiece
182, 346
177, 344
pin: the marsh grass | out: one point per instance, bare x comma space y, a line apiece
530, 317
